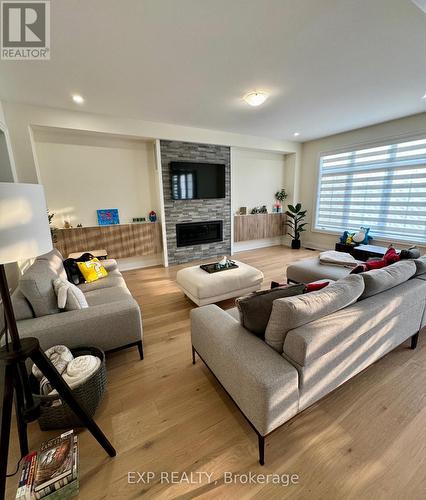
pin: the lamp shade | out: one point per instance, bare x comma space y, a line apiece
24, 225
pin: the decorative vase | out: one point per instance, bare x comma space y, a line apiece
295, 244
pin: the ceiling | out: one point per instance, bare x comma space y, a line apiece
329, 65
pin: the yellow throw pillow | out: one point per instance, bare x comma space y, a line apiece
92, 270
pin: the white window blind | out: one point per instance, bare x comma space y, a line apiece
383, 188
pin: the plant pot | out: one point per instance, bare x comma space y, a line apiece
295, 244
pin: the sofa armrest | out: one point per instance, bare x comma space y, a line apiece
109, 264
261, 382
107, 326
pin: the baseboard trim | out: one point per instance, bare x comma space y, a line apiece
314, 246
130, 263
242, 246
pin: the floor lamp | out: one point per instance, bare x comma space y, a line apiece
25, 234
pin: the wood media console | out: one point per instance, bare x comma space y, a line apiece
259, 226
119, 240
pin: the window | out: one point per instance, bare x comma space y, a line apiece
383, 188
183, 186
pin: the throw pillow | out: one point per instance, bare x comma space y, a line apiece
292, 312
380, 280
69, 296
36, 284
92, 270
315, 286
255, 309
420, 265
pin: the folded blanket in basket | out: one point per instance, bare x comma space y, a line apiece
79, 370
331, 257
59, 355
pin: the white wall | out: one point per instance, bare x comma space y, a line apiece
84, 172
256, 177
310, 157
22, 118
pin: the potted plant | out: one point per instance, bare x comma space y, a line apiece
280, 196
52, 228
295, 217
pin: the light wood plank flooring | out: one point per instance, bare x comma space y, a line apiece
366, 440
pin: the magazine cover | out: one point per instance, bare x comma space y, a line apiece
55, 460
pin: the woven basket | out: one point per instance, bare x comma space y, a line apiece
88, 395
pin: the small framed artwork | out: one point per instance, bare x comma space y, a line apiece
108, 216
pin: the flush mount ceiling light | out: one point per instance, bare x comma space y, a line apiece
421, 4
424, 97
256, 97
296, 134
77, 98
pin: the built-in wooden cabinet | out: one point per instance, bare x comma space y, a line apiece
119, 240
258, 226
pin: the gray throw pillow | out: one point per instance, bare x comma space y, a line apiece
380, 280
420, 265
292, 312
255, 308
36, 284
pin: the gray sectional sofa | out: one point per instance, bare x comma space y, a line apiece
112, 321
313, 342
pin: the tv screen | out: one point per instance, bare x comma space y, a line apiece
195, 181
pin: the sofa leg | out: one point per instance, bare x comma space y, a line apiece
261, 449
140, 349
193, 355
414, 340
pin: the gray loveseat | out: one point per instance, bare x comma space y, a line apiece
112, 321
313, 342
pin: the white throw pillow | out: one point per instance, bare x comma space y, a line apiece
70, 297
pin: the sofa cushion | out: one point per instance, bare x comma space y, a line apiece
380, 280
21, 306
420, 265
36, 284
107, 295
340, 330
292, 312
308, 270
55, 260
255, 308
114, 279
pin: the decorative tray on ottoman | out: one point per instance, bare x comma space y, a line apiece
215, 268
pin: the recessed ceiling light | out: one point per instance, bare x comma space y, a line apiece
256, 97
296, 134
424, 97
78, 99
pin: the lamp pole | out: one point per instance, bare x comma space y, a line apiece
26, 235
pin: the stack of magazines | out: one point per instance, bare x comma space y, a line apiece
52, 472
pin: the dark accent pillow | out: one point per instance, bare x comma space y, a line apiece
73, 272
256, 308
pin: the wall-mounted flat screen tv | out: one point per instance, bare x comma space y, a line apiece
196, 181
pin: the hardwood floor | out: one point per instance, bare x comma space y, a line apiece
365, 440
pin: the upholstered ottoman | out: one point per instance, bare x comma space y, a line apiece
309, 270
204, 288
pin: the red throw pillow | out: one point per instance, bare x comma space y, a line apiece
313, 287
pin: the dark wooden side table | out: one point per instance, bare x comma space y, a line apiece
363, 252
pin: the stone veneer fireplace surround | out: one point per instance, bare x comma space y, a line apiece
188, 211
